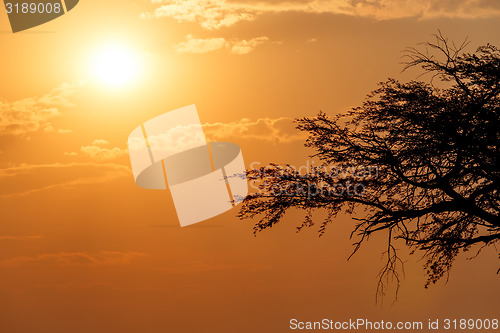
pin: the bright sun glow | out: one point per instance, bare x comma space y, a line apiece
115, 66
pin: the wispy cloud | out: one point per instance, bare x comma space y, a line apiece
79, 173
210, 14
244, 46
64, 131
216, 14
20, 238
200, 45
277, 130
103, 153
73, 175
75, 259
204, 267
35, 113
100, 142
96, 151
22, 169
205, 45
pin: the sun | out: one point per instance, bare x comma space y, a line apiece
115, 65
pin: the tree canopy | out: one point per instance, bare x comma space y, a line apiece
420, 161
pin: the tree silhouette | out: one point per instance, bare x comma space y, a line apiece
418, 161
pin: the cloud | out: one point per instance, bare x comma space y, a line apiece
20, 238
205, 45
95, 151
210, 14
75, 259
278, 130
193, 45
244, 47
100, 153
24, 169
28, 179
176, 139
200, 267
64, 131
216, 14
35, 113
100, 142
69, 176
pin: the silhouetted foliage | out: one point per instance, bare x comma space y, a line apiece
425, 158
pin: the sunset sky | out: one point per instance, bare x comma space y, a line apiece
83, 249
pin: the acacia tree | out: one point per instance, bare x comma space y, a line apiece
435, 147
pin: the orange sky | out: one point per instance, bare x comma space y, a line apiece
83, 249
